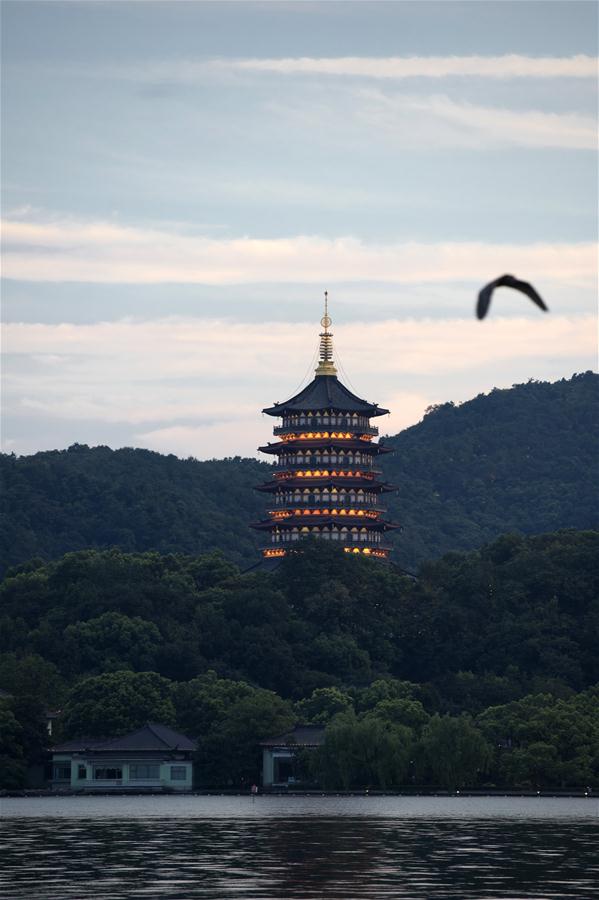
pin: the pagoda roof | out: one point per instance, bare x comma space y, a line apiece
326, 392
321, 443
326, 481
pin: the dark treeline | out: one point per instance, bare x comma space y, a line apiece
479, 673
522, 460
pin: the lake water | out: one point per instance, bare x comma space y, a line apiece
275, 848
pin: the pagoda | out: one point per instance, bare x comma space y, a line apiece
326, 481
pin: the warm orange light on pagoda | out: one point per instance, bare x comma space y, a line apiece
368, 551
325, 511
321, 435
324, 473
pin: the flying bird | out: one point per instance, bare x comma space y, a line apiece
484, 297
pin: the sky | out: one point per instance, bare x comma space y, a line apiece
182, 181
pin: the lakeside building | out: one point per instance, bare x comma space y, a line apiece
280, 764
152, 758
326, 480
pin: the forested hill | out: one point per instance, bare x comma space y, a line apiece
94, 497
523, 459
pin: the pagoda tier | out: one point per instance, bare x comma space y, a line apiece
336, 484
369, 518
325, 482
342, 444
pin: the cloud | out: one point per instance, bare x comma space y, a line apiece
189, 346
240, 438
205, 381
332, 108
507, 66
398, 67
449, 123
62, 250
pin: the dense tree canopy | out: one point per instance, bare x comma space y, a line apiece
454, 751
118, 702
543, 740
363, 752
12, 750
64, 500
481, 628
390, 665
523, 459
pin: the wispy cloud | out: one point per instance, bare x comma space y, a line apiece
192, 346
172, 381
342, 96
507, 66
410, 120
108, 252
399, 67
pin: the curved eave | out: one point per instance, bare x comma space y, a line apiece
284, 409
342, 521
326, 444
287, 484
326, 392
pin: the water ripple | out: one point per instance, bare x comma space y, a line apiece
296, 857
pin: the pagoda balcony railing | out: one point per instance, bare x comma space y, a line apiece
315, 462
292, 468
345, 531
327, 503
328, 421
311, 462
346, 541
344, 425
343, 516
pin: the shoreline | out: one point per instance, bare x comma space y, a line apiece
224, 792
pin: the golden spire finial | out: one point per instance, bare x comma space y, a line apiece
325, 363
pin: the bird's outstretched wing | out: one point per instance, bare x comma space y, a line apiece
485, 295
